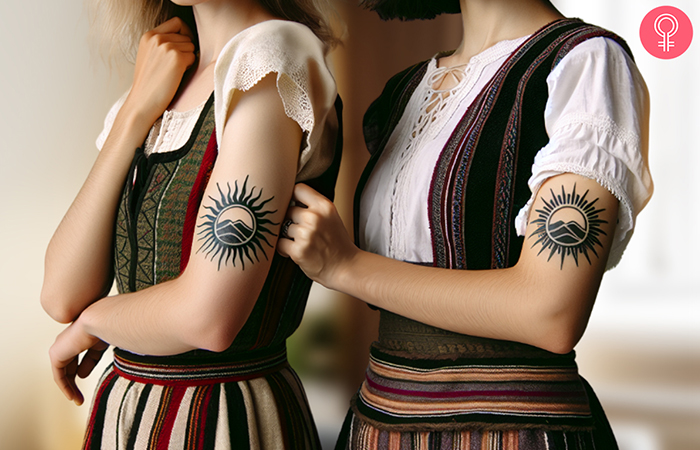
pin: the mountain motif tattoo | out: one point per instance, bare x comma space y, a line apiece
236, 225
568, 225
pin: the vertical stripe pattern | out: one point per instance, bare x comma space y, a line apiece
264, 413
363, 436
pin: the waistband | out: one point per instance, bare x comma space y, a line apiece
403, 336
403, 394
162, 371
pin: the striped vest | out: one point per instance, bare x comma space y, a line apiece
480, 181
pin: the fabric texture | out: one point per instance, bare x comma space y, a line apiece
306, 86
246, 397
431, 388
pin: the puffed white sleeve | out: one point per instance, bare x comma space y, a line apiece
304, 82
109, 121
597, 120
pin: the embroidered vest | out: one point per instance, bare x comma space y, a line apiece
155, 229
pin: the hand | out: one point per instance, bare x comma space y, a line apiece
64, 354
164, 54
316, 240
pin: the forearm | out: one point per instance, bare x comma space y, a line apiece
544, 300
170, 318
78, 258
497, 304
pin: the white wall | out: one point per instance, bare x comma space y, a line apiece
52, 103
641, 351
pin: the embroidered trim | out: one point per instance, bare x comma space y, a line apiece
604, 124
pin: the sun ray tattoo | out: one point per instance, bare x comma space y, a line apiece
568, 225
235, 226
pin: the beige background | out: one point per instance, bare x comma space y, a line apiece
642, 349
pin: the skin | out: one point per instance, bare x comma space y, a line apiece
206, 306
540, 301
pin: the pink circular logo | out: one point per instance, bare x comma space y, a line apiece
666, 32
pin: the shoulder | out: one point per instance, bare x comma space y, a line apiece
292, 52
600, 77
274, 43
601, 49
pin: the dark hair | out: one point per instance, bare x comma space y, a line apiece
411, 9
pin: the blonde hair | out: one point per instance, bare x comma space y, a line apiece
116, 26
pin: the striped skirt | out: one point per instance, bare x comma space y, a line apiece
474, 404
258, 404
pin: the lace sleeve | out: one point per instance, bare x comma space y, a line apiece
295, 54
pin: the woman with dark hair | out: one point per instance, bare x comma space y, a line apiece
183, 206
504, 179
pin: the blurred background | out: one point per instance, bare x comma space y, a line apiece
641, 351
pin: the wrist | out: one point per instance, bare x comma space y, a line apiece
344, 278
85, 322
133, 120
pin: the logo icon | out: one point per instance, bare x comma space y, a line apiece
666, 32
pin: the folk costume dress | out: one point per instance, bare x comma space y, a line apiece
246, 397
449, 184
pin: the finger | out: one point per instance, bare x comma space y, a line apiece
89, 361
174, 25
64, 377
182, 47
173, 38
307, 195
297, 214
284, 229
284, 247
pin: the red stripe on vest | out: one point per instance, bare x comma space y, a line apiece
196, 194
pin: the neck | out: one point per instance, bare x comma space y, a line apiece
487, 22
220, 20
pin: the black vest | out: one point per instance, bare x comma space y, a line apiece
480, 181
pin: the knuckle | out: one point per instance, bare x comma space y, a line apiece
326, 206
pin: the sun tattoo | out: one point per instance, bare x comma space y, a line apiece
568, 225
236, 225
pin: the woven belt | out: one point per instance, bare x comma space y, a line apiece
159, 370
402, 394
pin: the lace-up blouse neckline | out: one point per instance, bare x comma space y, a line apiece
412, 147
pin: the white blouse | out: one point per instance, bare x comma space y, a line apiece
596, 118
304, 82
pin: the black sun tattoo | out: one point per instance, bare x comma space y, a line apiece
236, 225
568, 225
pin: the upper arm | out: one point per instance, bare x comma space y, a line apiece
243, 205
568, 239
597, 121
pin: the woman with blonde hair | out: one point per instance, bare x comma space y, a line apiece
504, 179
231, 104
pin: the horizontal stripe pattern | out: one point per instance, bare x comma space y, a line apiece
261, 413
197, 374
396, 392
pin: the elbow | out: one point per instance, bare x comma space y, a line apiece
562, 325
213, 330
561, 342
57, 306
217, 337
